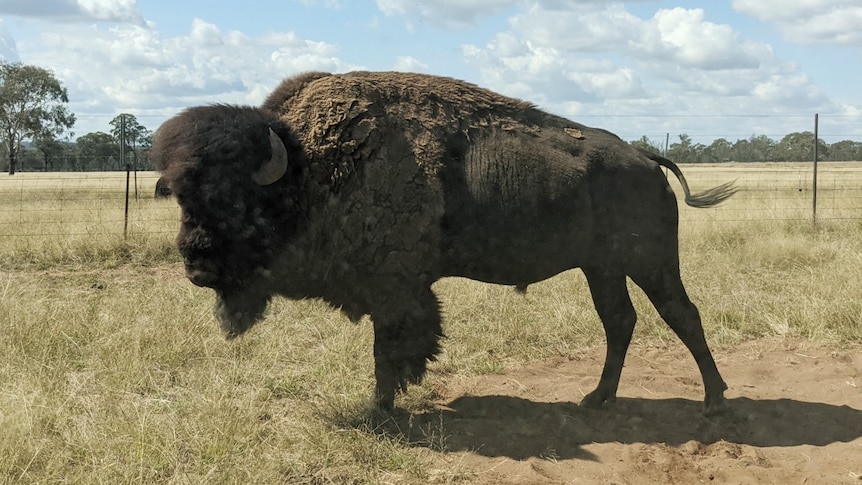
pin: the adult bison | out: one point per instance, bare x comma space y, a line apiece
364, 188
163, 191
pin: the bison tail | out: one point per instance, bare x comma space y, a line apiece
707, 198
711, 197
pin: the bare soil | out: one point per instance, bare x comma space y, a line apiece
794, 416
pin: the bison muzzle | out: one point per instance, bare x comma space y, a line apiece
363, 189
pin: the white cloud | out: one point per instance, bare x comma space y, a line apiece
446, 13
8, 50
679, 35
334, 4
590, 27
409, 64
133, 68
521, 69
460, 14
787, 87
75, 10
612, 82
601, 50
596, 59
691, 41
585, 59
810, 21
111, 10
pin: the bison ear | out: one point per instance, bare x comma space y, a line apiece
275, 167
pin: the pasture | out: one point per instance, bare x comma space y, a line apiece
114, 370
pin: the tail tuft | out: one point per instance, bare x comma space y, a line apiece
707, 198
713, 196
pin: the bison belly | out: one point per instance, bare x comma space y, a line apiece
515, 213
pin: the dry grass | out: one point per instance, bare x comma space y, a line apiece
780, 191
78, 219
114, 371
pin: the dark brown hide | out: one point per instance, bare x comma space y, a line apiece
396, 180
162, 190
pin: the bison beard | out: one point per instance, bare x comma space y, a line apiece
238, 312
363, 189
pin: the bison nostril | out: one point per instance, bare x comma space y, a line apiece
201, 277
200, 273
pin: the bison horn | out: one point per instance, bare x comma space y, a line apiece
275, 167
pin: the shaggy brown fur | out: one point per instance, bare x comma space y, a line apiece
162, 190
396, 180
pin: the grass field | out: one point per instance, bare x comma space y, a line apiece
114, 370
51, 219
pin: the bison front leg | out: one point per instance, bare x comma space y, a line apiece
407, 331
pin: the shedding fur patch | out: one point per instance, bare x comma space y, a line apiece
575, 133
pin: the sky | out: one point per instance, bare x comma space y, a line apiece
657, 68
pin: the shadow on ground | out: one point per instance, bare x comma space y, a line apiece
505, 426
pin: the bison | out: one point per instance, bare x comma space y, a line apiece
363, 189
163, 191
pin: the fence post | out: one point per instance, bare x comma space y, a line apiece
128, 169
814, 189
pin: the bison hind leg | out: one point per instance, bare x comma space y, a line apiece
614, 307
665, 290
407, 330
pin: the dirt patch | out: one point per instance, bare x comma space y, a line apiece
795, 416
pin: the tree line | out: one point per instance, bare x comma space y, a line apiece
795, 147
96, 151
35, 125
35, 135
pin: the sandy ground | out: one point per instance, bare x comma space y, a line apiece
795, 416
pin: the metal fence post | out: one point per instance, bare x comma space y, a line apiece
814, 198
128, 169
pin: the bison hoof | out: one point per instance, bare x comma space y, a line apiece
385, 401
714, 406
594, 400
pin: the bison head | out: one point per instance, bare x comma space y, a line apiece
226, 166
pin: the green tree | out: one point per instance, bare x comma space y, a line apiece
719, 150
137, 136
29, 160
845, 150
96, 150
799, 147
646, 144
32, 104
757, 148
682, 151
51, 149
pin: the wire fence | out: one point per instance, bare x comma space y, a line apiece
780, 191
36, 205
39, 206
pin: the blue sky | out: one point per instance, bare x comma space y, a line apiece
723, 69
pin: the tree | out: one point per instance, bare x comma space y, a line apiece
845, 150
96, 147
719, 150
647, 144
758, 148
32, 104
799, 147
683, 151
51, 149
137, 136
